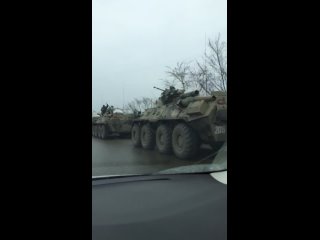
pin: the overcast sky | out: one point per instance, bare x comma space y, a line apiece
134, 41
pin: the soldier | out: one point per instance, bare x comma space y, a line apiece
103, 109
107, 108
165, 95
169, 94
111, 109
136, 113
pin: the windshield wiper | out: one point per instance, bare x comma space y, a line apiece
200, 168
118, 176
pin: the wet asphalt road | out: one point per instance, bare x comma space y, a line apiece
117, 156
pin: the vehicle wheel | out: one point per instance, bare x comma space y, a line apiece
216, 146
95, 130
185, 141
163, 139
104, 132
135, 135
147, 136
99, 131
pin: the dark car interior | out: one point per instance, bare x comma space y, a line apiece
162, 207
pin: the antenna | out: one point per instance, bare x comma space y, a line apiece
122, 96
205, 61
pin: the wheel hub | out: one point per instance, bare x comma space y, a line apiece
143, 135
180, 141
161, 138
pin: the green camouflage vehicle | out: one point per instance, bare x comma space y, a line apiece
181, 122
110, 123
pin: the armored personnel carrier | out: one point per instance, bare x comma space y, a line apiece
181, 122
111, 123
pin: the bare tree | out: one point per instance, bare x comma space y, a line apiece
147, 103
140, 104
131, 107
167, 83
179, 75
217, 64
200, 78
206, 76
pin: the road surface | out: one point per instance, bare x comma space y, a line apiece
117, 156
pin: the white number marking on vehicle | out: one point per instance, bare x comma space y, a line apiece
220, 130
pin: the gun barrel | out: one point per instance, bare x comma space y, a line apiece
158, 88
183, 102
190, 94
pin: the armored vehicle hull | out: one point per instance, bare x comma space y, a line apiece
182, 125
112, 125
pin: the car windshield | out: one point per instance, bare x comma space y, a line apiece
159, 87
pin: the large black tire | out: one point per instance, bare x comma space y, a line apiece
95, 130
216, 146
98, 131
135, 135
147, 136
163, 139
104, 132
185, 142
